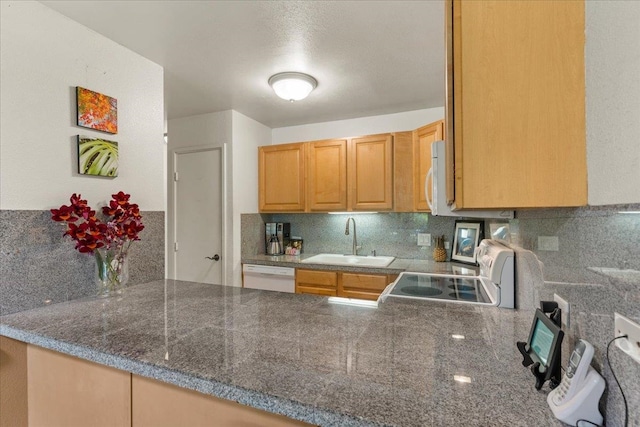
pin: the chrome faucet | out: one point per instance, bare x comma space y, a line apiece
354, 250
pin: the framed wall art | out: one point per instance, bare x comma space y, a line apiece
98, 157
466, 238
96, 111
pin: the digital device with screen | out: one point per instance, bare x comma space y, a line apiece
542, 349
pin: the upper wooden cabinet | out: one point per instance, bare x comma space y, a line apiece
340, 175
370, 166
281, 175
327, 175
519, 103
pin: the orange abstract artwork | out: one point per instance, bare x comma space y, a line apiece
97, 111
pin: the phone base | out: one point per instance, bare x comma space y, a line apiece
581, 406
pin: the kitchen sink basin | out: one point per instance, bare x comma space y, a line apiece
354, 260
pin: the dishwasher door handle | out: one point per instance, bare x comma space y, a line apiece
251, 273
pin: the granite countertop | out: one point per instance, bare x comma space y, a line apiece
396, 267
306, 358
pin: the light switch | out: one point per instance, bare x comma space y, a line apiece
424, 239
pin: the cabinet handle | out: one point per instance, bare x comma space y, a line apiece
426, 188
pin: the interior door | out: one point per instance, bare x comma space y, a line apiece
198, 215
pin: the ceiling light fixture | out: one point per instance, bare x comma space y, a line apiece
292, 86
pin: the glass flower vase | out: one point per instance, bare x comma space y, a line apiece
112, 271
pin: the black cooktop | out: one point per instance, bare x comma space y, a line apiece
417, 285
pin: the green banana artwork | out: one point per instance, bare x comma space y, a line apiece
97, 157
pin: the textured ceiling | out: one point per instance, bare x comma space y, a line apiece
369, 57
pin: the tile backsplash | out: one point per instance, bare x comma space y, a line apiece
38, 266
590, 239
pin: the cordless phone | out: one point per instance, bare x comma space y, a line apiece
577, 396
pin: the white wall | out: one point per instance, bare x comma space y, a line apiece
408, 120
242, 136
44, 56
204, 130
213, 129
612, 61
248, 135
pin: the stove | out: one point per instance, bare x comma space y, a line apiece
494, 285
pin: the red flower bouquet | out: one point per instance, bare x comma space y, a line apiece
109, 239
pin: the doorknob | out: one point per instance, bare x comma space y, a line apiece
216, 257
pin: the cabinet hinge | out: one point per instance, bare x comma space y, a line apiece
175, 246
175, 176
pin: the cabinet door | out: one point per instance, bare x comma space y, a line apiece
316, 282
403, 172
14, 405
327, 175
67, 391
423, 137
159, 404
362, 286
281, 178
519, 104
370, 168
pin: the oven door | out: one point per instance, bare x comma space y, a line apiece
444, 288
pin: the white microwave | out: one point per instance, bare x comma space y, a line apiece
436, 180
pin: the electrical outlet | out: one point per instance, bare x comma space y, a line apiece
630, 345
548, 243
447, 245
563, 305
424, 239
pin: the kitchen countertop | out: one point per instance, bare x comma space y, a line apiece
303, 357
396, 267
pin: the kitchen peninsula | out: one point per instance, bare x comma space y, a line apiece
401, 364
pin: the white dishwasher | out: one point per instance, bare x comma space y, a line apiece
269, 278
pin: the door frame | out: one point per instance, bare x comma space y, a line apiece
171, 258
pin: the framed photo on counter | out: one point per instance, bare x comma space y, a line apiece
466, 238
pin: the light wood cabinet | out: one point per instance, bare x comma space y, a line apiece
363, 286
67, 391
327, 175
403, 172
13, 383
370, 167
354, 174
341, 284
411, 162
40, 387
159, 404
281, 178
317, 282
519, 104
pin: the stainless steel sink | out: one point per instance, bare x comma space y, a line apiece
354, 260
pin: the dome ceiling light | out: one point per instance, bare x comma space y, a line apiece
292, 86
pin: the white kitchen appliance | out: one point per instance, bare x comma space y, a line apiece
494, 285
269, 278
436, 180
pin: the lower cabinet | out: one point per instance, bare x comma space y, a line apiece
53, 389
363, 286
40, 387
160, 404
342, 284
317, 282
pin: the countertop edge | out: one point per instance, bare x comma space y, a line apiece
398, 265
254, 399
